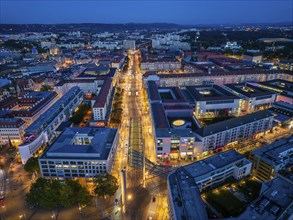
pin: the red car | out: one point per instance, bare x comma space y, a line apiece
1, 200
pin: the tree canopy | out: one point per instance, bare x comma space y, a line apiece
32, 165
106, 185
52, 193
46, 88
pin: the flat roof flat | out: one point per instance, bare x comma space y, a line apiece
186, 199
232, 123
99, 146
212, 163
272, 153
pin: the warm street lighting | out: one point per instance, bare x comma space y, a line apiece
129, 197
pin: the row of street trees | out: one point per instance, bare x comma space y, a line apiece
116, 113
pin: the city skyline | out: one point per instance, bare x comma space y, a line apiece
187, 12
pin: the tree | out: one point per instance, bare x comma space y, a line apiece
44, 193
106, 185
32, 165
72, 193
51, 193
46, 88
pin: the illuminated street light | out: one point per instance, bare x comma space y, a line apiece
129, 197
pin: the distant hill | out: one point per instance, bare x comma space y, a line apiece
84, 27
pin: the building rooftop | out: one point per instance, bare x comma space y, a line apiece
45, 119
212, 163
159, 116
11, 122
271, 204
171, 95
249, 90
185, 196
203, 93
232, 123
82, 143
273, 153
285, 105
166, 132
278, 84
100, 100
153, 91
215, 73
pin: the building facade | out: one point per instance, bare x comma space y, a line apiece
11, 129
233, 130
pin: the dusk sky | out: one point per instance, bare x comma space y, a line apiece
181, 12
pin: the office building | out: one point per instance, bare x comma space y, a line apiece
211, 101
80, 153
42, 131
282, 87
253, 98
268, 160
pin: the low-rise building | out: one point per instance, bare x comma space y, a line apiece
268, 160
80, 153
11, 129
42, 131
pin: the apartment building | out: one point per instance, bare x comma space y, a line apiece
159, 64
80, 153
217, 135
218, 78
